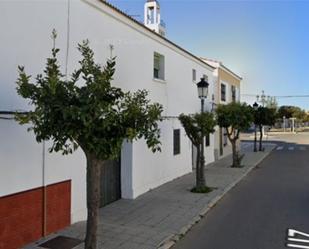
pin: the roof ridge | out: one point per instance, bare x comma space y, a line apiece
153, 32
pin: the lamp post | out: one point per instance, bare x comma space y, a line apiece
283, 123
202, 88
255, 107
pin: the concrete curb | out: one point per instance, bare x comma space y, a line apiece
170, 241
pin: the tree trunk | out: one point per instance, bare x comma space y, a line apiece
255, 142
235, 155
261, 137
197, 169
201, 183
93, 199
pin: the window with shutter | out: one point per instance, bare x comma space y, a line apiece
176, 141
207, 143
193, 74
233, 93
223, 92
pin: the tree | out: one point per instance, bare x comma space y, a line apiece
197, 126
289, 112
234, 118
263, 116
87, 111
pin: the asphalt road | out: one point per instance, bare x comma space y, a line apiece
258, 211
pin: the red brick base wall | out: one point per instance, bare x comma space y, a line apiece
22, 214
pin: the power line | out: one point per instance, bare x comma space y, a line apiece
279, 96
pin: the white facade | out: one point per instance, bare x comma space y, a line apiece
26, 40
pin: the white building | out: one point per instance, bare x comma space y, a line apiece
30, 175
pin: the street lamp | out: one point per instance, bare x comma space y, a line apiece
202, 88
283, 123
255, 107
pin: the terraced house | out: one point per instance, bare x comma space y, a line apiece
226, 90
42, 192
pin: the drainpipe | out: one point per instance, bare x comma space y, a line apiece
44, 191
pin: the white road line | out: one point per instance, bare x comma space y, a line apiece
302, 148
291, 148
297, 246
280, 148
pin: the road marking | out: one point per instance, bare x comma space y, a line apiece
291, 236
291, 148
302, 148
280, 148
297, 246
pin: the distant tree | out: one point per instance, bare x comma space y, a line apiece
290, 112
234, 118
87, 111
263, 116
197, 126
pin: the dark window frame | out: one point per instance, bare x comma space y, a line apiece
176, 142
223, 92
233, 93
158, 70
193, 74
207, 140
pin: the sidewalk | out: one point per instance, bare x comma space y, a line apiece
162, 216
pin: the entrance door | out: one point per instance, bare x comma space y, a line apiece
110, 182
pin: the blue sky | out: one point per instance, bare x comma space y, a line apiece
266, 42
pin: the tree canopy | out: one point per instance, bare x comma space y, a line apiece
264, 116
235, 117
198, 125
95, 115
292, 112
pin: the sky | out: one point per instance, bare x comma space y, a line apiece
266, 42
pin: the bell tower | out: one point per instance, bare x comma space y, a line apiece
152, 17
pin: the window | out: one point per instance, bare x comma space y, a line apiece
233, 93
193, 74
207, 140
158, 66
176, 141
205, 77
223, 92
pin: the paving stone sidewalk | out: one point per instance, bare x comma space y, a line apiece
160, 217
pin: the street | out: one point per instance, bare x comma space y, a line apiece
258, 211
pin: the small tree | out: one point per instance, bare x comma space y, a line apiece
264, 116
234, 118
198, 126
87, 111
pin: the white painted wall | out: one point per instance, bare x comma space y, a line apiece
25, 40
26, 28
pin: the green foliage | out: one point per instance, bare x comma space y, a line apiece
264, 116
198, 125
87, 110
236, 116
291, 112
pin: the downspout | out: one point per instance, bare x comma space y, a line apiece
44, 192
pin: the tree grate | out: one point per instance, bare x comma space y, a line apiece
62, 242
